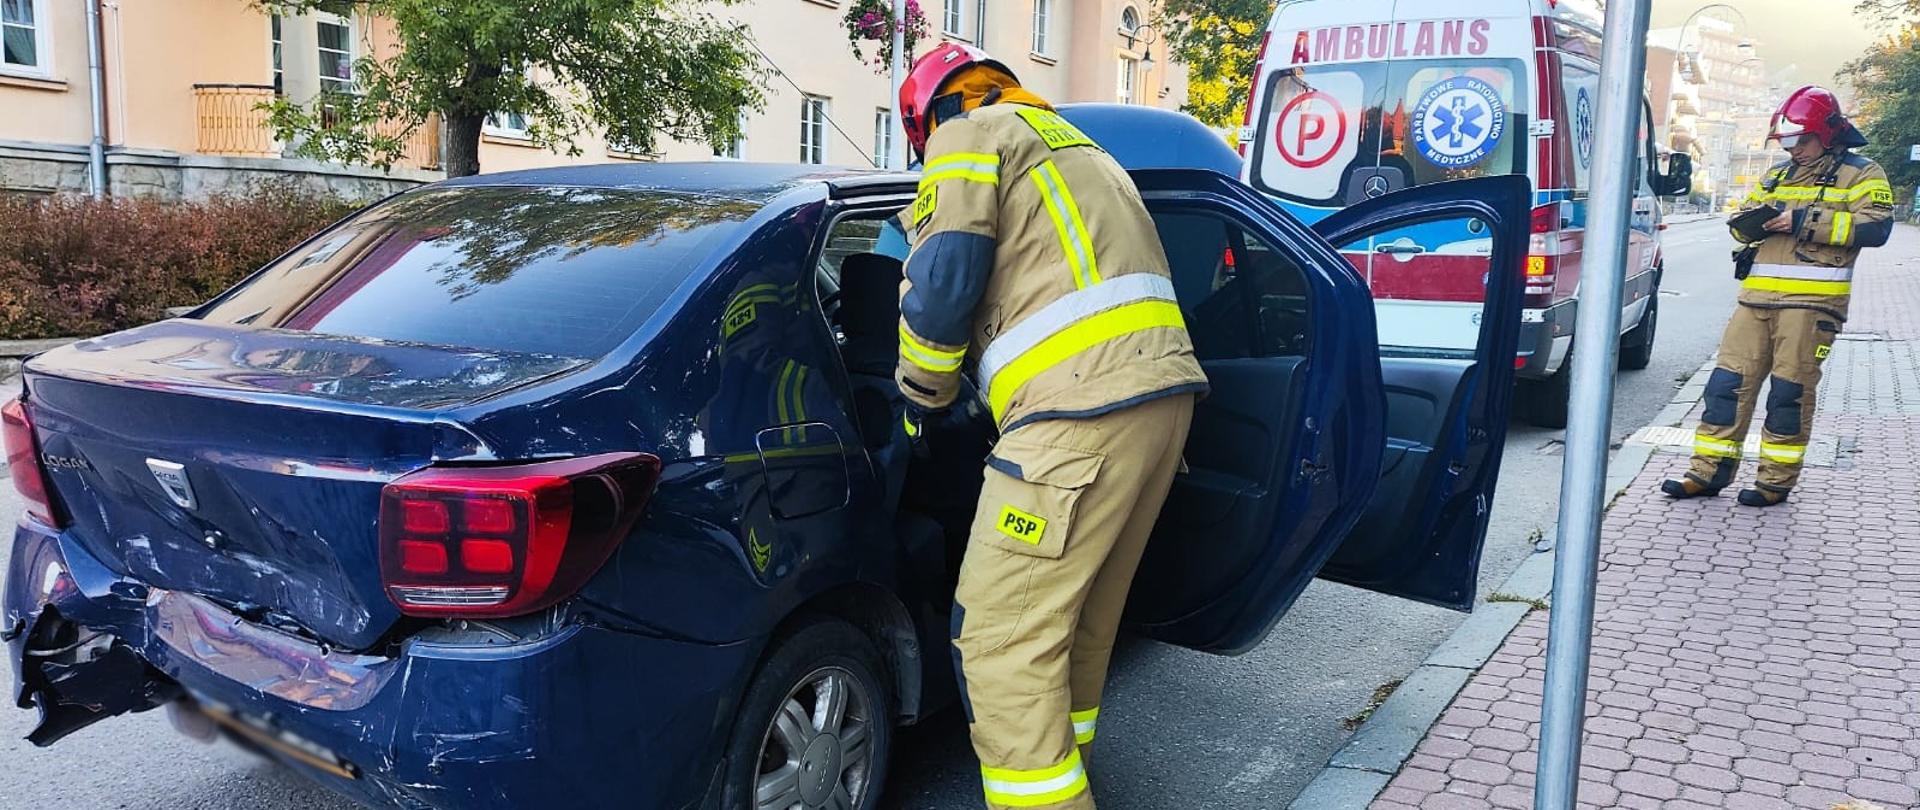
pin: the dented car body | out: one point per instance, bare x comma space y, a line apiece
499, 492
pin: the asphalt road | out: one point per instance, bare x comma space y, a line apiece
1179, 729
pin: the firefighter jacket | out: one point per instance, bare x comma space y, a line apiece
1035, 259
1840, 204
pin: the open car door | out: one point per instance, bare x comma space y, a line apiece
1307, 433
1448, 373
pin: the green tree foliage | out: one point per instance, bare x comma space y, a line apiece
1887, 84
639, 70
1219, 41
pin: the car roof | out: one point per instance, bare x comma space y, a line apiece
757, 182
1139, 137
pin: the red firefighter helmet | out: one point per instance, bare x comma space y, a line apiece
1811, 111
920, 92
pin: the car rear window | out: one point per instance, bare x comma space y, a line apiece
1325, 128
561, 271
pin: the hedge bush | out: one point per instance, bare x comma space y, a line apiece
73, 266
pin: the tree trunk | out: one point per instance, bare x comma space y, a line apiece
463, 143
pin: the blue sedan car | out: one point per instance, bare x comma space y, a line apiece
583, 487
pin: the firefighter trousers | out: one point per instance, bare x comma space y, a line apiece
1785, 348
1062, 521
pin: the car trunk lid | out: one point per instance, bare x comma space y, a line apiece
246, 465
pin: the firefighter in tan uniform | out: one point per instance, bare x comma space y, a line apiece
1035, 261
1793, 298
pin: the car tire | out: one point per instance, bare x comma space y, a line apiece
787, 748
1636, 346
1543, 403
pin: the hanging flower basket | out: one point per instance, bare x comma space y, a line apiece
871, 21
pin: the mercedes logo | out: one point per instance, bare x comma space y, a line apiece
1377, 186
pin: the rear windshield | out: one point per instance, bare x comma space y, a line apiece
560, 271
1327, 131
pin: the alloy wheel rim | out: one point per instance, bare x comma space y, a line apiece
817, 753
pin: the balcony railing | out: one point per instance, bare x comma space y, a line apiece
230, 120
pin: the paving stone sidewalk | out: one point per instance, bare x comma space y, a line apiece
1746, 659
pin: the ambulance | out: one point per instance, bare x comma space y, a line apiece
1357, 99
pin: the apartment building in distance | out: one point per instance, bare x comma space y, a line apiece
181, 81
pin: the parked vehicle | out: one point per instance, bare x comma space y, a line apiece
583, 487
1357, 99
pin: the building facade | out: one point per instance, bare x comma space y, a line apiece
1713, 98
181, 81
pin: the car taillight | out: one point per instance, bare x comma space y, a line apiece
23, 462
505, 541
1544, 249
1253, 92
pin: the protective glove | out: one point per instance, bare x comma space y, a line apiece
915, 425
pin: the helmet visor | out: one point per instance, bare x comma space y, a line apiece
1796, 139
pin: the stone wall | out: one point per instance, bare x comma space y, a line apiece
39, 168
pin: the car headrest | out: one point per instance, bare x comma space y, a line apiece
870, 294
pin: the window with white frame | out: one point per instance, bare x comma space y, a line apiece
953, 18
813, 129
1042, 13
275, 39
1129, 24
24, 38
336, 52
506, 125
737, 148
883, 138
1124, 91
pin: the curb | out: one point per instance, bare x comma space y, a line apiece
15, 352
1362, 767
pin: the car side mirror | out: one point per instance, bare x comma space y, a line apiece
1679, 177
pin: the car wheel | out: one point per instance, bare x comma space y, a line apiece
1543, 403
1636, 346
815, 728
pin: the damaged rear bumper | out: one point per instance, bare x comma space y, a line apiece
581, 716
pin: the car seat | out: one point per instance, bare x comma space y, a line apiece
869, 316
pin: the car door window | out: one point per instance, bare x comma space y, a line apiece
1429, 285
1242, 297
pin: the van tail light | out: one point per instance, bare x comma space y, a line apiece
24, 463
1253, 92
1545, 247
491, 542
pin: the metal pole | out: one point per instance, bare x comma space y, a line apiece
1596, 348
897, 140
96, 148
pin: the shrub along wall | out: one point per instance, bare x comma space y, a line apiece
72, 266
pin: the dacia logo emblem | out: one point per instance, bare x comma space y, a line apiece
172, 477
1020, 525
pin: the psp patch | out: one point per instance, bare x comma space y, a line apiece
1459, 122
923, 205
1020, 525
1882, 197
1821, 352
1053, 129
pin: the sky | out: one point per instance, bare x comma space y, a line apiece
1816, 36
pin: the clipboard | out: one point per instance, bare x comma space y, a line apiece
1754, 221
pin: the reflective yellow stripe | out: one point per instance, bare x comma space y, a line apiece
1072, 340
1858, 191
1715, 448
1783, 453
906, 420
1790, 285
1015, 788
1083, 725
990, 178
978, 167
935, 360
1066, 219
1842, 228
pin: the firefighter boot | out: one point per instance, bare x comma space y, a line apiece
1691, 485
1761, 497
1061, 523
